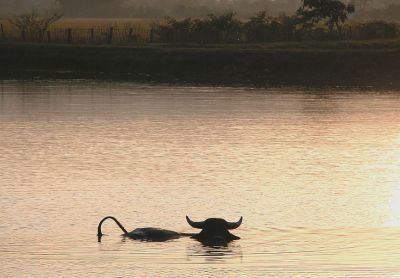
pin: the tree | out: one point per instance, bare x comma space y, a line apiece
34, 24
334, 12
224, 27
256, 29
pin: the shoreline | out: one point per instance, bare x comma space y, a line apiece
218, 66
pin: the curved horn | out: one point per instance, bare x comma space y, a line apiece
234, 225
197, 225
100, 234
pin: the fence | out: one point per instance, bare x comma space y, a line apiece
160, 34
98, 35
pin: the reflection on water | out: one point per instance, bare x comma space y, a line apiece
314, 173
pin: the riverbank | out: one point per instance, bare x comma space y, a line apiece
309, 64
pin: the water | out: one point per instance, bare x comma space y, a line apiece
314, 173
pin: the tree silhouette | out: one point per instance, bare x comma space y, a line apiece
334, 12
34, 24
256, 28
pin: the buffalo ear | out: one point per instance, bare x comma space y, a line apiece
197, 225
234, 225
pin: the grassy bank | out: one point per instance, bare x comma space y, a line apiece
350, 63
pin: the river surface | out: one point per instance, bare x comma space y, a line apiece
315, 173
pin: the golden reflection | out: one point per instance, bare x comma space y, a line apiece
394, 208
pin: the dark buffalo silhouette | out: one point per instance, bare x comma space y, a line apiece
214, 231
146, 234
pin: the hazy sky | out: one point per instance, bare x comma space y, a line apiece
177, 8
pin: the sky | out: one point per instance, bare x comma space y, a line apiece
182, 8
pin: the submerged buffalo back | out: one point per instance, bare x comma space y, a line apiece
152, 234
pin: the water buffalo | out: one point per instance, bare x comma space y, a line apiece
214, 231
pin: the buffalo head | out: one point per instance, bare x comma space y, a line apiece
215, 231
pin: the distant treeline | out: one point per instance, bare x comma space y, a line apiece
214, 29
226, 28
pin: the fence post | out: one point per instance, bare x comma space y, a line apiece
69, 35
2, 32
130, 36
349, 34
48, 37
110, 36
92, 35
151, 35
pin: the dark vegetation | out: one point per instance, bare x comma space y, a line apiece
333, 12
260, 28
314, 20
33, 25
